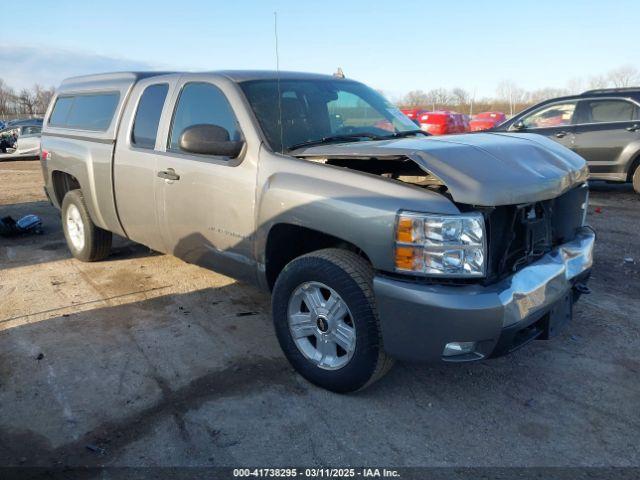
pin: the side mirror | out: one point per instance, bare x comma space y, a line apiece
206, 139
519, 125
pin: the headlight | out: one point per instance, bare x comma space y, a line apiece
442, 245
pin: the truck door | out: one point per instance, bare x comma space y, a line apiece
135, 161
207, 202
604, 128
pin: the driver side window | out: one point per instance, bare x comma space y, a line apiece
556, 115
202, 103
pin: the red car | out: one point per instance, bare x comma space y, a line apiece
413, 113
443, 122
465, 120
486, 120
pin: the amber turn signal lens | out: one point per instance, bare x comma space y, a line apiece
405, 257
405, 230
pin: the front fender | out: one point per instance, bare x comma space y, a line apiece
353, 206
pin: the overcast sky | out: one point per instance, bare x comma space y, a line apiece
395, 46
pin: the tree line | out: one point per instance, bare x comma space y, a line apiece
27, 101
511, 98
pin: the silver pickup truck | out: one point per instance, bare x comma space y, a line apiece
376, 240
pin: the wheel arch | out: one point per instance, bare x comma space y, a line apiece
634, 163
62, 183
299, 240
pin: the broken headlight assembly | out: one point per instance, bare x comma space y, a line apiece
440, 245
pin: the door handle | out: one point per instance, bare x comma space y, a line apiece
561, 134
169, 174
633, 128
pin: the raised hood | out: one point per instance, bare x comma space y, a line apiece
486, 169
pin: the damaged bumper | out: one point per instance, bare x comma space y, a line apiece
418, 321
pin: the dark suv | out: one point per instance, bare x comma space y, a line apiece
603, 126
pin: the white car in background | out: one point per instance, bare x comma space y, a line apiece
20, 139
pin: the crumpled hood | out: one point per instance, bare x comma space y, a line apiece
479, 169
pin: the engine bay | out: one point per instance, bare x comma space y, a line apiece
400, 168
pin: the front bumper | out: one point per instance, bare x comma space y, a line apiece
418, 320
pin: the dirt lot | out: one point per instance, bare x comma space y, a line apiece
145, 360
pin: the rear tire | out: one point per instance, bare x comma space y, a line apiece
329, 276
636, 180
86, 241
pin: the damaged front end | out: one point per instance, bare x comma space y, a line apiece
532, 193
480, 169
400, 168
519, 235
537, 251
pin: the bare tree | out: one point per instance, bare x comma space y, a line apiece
4, 97
625, 76
415, 98
27, 101
511, 93
42, 97
575, 85
511, 98
460, 96
598, 81
438, 97
547, 93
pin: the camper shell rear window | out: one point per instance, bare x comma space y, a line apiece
92, 111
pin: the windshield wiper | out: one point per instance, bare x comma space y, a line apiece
335, 138
407, 133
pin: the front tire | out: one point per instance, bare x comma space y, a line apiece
326, 321
86, 241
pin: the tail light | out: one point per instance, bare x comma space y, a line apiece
44, 155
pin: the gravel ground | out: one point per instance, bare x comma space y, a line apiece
145, 360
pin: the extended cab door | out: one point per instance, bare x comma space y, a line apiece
552, 120
207, 202
136, 158
605, 127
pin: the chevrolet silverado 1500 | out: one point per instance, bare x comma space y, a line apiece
376, 240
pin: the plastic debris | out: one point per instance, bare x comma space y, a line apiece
628, 260
25, 225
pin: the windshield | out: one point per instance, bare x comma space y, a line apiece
313, 110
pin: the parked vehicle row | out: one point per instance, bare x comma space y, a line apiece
602, 126
445, 122
377, 240
486, 121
